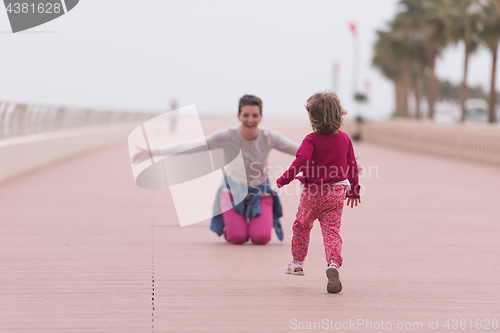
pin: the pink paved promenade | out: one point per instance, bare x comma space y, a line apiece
82, 249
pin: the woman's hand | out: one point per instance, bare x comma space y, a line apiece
352, 202
142, 155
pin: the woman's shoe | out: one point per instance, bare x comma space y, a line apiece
295, 268
334, 285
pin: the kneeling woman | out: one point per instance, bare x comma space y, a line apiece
255, 217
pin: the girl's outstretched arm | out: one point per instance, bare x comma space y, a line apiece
302, 159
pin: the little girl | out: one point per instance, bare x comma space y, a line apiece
330, 174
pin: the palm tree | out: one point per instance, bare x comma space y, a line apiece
408, 26
437, 39
402, 48
462, 17
385, 60
392, 57
424, 19
489, 33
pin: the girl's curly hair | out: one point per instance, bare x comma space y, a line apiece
325, 112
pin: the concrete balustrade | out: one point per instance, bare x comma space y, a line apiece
35, 135
474, 142
19, 119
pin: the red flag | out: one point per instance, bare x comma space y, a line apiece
352, 26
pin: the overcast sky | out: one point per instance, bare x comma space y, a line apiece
141, 54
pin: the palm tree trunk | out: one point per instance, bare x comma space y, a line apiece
492, 101
431, 93
406, 73
419, 83
463, 88
397, 94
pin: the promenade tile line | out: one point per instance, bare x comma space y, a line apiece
153, 278
81, 248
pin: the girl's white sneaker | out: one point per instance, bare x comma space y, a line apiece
334, 285
295, 269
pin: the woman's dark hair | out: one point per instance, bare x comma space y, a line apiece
325, 112
250, 100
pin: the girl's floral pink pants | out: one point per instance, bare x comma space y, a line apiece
326, 205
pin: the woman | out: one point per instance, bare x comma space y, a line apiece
255, 217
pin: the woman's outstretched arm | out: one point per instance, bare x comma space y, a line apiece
283, 144
179, 147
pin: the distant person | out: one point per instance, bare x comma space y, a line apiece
326, 158
255, 217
